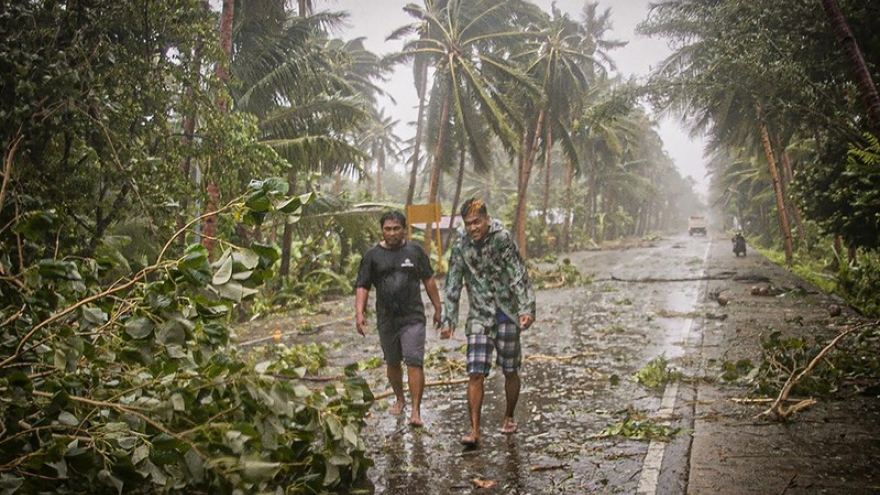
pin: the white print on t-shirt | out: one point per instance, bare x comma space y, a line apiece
407, 264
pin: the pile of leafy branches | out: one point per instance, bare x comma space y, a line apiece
852, 364
849, 366
135, 386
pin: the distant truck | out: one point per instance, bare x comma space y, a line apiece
697, 225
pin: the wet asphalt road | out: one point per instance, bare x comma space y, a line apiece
578, 386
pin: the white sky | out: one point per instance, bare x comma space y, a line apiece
375, 19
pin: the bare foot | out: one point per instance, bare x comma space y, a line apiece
397, 408
470, 441
415, 421
509, 426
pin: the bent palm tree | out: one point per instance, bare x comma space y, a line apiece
465, 39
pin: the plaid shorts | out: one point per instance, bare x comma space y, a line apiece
506, 344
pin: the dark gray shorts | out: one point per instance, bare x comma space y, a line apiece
406, 344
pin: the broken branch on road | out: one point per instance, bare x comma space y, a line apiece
720, 276
776, 410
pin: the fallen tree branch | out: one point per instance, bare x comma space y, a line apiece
548, 467
571, 357
436, 383
776, 410
721, 276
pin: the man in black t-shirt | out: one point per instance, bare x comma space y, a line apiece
395, 268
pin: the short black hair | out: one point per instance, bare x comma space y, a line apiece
395, 215
473, 206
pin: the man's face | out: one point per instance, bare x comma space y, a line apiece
476, 226
392, 233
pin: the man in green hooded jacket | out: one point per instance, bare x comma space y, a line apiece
486, 261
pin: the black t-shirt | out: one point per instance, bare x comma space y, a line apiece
396, 274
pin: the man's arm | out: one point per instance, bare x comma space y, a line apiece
360, 307
520, 287
454, 277
434, 296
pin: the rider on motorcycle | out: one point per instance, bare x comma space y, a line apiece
739, 244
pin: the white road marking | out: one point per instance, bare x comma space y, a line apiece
656, 449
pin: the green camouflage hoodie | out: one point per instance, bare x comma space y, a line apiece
495, 277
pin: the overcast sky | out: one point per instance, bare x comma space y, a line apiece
375, 19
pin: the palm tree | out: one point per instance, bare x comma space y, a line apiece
421, 60
850, 46
462, 38
378, 139
305, 92
580, 61
555, 60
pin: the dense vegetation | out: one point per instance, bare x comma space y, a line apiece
166, 170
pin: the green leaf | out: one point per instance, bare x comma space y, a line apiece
36, 223
268, 255
256, 470
339, 459
178, 403
9, 483
234, 291
19, 379
140, 453
249, 259
224, 272
166, 450
67, 419
171, 332
194, 266
195, 465
94, 315
301, 391
350, 434
138, 328
212, 310
57, 269
331, 475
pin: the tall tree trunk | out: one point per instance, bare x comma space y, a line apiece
303, 6
569, 206
788, 175
227, 17
189, 130
380, 169
524, 174
437, 166
864, 82
545, 203
209, 225
337, 184
592, 198
777, 188
421, 89
462, 158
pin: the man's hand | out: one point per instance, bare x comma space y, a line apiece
525, 321
361, 324
437, 319
446, 333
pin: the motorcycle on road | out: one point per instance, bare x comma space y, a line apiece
739, 244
